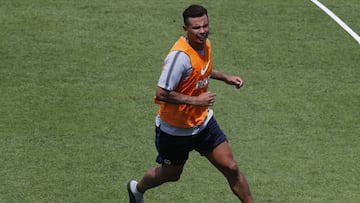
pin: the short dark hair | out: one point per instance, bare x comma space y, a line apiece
193, 11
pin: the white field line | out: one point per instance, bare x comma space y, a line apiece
337, 20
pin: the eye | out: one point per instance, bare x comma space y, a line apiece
196, 27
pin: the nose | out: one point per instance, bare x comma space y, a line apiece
203, 29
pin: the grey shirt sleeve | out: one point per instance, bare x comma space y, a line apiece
177, 67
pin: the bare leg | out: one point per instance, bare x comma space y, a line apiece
221, 157
159, 175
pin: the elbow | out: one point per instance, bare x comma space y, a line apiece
160, 94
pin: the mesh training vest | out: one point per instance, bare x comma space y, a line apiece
184, 115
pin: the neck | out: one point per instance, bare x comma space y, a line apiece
195, 46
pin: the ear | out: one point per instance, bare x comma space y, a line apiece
185, 28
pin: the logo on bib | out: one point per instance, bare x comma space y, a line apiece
203, 70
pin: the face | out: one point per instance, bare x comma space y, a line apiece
197, 31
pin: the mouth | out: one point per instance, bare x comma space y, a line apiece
203, 37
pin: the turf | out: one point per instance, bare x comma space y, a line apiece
77, 80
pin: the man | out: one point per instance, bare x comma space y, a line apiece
185, 122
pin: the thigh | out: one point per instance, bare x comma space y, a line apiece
172, 150
222, 158
210, 138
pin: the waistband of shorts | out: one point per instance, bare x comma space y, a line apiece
175, 131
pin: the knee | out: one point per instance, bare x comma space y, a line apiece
167, 174
174, 177
231, 170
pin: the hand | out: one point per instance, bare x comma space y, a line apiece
235, 80
206, 99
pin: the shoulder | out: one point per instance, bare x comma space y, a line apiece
208, 41
208, 44
178, 54
177, 57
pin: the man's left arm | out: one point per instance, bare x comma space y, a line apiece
229, 79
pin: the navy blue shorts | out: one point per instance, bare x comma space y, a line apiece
174, 150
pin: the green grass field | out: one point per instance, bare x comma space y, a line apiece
77, 80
